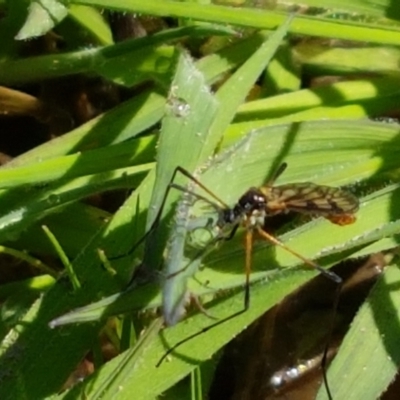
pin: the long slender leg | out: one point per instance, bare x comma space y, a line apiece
329, 338
248, 263
209, 245
249, 254
155, 222
328, 274
198, 333
198, 183
249, 249
170, 186
196, 195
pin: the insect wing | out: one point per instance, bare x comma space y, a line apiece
316, 199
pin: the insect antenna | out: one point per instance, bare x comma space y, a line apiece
277, 173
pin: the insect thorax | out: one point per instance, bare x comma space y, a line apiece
252, 200
250, 210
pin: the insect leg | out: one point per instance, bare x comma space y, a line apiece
170, 186
249, 245
200, 254
328, 274
324, 360
198, 183
249, 250
196, 195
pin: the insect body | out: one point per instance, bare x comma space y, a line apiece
257, 204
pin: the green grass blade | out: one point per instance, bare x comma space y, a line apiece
108, 61
63, 257
234, 91
370, 351
24, 211
116, 375
42, 18
255, 18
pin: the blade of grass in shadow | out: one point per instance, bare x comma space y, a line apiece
338, 93
72, 166
40, 202
63, 257
369, 356
121, 367
93, 21
37, 284
343, 100
121, 123
374, 7
34, 262
321, 59
108, 60
75, 225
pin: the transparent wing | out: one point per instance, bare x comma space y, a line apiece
315, 199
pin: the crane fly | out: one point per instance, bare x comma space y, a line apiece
252, 211
256, 205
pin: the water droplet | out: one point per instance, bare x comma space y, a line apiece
179, 107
